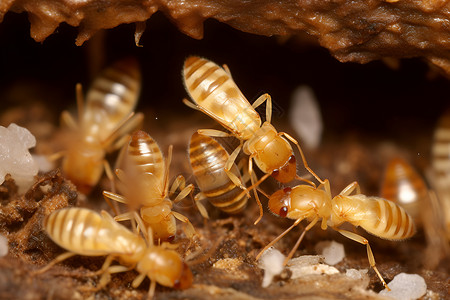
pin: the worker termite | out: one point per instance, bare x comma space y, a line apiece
84, 232
208, 158
404, 186
377, 216
144, 179
440, 161
102, 122
216, 94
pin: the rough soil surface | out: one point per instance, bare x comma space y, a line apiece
222, 258
353, 31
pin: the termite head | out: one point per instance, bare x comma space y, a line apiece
287, 172
185, 278
280, 202
165, 267
83, 165
302, 201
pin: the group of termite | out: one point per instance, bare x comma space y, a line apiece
107, 122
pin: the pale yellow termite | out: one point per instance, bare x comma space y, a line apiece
208, 159
144, 178
403, 185
84, 232
440, 161
216, 94
103, 120
377, 216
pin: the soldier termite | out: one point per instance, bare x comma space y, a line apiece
102, 122
216, 94
84, 232
144, 178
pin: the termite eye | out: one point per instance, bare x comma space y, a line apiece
275, 173
283, 212
292, 159
280, 202
170, 238
177, 284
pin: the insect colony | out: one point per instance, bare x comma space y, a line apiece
106, 122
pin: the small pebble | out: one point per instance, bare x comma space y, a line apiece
15, 159
406, 287
332, 251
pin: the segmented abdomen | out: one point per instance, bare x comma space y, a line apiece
112, 97
441, 166
388, 220
404, 186
214, 90
85, 232
146, 154
208, 160
441, 151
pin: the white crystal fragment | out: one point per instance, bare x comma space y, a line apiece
271, 262
309, 265
3, 245
332, 251
305, 117
406, 287
45, 165
15, 159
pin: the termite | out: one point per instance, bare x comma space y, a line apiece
144, 178
403, 185
84, 232
102, 123
214, 93
440, 161
377, 216
208, 159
